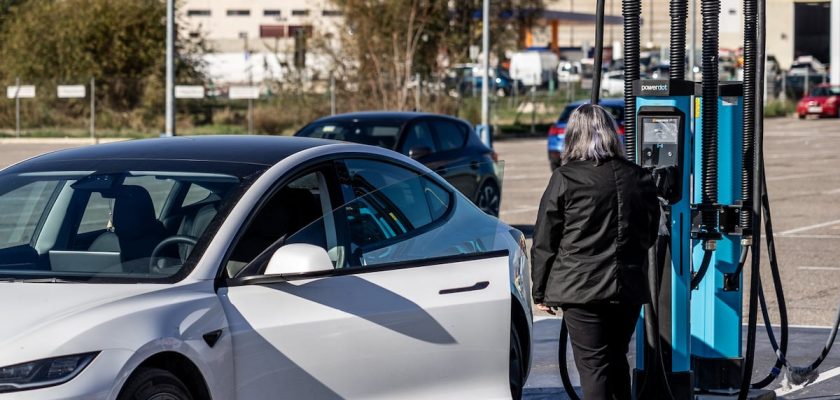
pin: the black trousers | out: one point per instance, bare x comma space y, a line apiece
600, 335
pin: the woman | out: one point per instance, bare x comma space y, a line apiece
597, 219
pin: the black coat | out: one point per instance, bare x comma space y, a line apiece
594, 228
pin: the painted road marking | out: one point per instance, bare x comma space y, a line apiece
809, 227
819, 268
519, 210
832, 373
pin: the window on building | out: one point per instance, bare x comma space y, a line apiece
272, 31
271, 13
300, 13
331, 13
198, 13
238, 13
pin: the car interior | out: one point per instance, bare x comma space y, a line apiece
116, 224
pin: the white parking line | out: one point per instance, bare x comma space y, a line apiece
797, 176
796, 236
819, 268
809, 227
832, 373
519, 210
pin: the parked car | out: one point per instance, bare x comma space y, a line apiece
568, 72
236, 267
447, 145
466, 80
824, 101
533, 68
557, 131
612, 83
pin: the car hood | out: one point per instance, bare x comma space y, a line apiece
46, 319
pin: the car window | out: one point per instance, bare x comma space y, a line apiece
195, 194
418, 136
86, 224
97, 214
158, 188
450, 136
294, 214
20, 211
389, 203
375, 133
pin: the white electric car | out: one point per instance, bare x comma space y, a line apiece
253, 268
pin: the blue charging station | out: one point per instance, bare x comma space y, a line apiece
716, 304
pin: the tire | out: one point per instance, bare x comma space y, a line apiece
489, 198
154, 384
516, 367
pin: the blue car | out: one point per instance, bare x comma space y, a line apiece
557, 131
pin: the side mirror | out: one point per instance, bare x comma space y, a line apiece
418, 152
298, 258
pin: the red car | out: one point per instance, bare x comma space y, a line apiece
824, 101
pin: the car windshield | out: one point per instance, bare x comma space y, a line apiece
376, 133
826, 91
111, 223
615, 111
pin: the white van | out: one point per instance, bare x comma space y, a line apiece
533, 68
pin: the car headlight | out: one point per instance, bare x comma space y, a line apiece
43, 373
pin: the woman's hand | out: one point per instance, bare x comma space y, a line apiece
544, 308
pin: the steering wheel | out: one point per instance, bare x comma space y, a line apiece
176, 239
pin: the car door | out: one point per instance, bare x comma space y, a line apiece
383, 328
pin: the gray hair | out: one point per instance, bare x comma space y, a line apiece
591, 135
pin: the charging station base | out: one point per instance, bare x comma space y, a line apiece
761, 394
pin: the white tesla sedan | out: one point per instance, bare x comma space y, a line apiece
253, 268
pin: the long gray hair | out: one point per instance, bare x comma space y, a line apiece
591, 135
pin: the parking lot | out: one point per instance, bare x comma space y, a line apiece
804, 183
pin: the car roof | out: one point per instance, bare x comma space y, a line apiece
264, 150
603, 102
394, 116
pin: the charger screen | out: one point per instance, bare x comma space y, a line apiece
661, 130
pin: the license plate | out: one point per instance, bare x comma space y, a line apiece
815, 109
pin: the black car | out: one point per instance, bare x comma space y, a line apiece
446, 145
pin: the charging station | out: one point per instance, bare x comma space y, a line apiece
702, 142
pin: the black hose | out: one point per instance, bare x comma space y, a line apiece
749, 357
704, 267
711, 24
678, 11
748, 124
564, 369
781, 348
631, 11
599, 51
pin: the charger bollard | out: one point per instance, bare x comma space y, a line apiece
663, 126
716, 304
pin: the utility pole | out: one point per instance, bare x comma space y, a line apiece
93, 109
485, 70
834, 58
170, 68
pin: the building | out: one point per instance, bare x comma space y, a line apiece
252, 40
794, 27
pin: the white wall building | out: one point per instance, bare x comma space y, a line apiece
250, 40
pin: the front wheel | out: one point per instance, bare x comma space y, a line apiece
154, 384
516, 369
489, 198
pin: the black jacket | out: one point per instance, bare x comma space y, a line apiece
594, 228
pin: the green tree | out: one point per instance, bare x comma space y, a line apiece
119, 42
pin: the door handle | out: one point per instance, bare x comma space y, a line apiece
477, 286
474, 164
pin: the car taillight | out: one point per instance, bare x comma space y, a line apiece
556, 130
494, 156
621, 129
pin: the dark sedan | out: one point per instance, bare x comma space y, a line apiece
447, 145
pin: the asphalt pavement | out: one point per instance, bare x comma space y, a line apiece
802, 161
